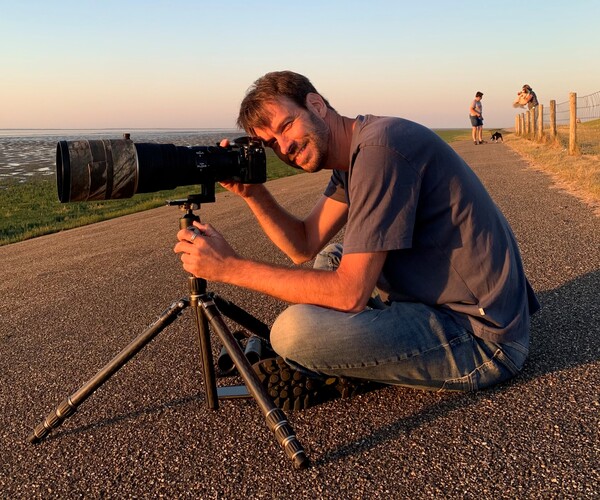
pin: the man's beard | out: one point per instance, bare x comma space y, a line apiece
317, 138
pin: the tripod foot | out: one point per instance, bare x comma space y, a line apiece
278, 424
52, 421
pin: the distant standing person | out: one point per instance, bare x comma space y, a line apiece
476, 117
530, 99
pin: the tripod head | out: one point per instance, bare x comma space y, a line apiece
191, 203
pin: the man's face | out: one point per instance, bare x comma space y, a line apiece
297, 135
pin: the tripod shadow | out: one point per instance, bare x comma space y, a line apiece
61, 432
564, 334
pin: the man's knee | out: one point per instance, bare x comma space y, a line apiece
329, 258
287, 330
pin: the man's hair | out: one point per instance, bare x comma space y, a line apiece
479, 94
269, 88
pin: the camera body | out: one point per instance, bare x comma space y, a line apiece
107, 169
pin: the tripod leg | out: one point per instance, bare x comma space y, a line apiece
276, 419
70, 404
208, 370
241, 317
197, 289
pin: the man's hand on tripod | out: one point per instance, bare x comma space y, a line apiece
204, 252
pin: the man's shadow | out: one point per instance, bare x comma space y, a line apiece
565, 334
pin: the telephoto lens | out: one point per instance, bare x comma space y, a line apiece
108, 169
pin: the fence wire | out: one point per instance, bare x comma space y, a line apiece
588, 108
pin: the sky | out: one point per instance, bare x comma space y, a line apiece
187, 64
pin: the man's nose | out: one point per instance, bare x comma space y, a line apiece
285, 144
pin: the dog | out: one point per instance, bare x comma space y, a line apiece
497, 137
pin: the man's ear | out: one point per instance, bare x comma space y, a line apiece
316, 104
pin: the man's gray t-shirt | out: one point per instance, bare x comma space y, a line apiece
409, 194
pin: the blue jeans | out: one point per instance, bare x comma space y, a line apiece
404, 343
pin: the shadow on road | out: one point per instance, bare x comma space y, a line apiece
566, 331
565, 334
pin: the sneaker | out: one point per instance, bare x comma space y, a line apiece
294, 390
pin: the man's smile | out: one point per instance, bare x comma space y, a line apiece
298, 154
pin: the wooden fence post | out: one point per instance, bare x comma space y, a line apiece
553, 120
527, 127
533, 124
517, 131
573, 149
540, 121
522, 123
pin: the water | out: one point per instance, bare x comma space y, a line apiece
26, 154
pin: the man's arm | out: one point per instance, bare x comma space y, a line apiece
299, 239
347, 289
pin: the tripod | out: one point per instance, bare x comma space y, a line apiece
207, 309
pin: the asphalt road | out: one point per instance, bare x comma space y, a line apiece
71, 301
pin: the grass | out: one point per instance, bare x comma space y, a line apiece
32, 209
577, 174
454, 134
588, 137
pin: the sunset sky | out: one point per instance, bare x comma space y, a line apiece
187, 64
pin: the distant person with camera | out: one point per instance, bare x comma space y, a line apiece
527, 97
530, 97
452, 304
476, 117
